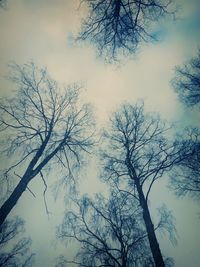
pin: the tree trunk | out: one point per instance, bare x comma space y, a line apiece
124, 260
123, 263
22, 185
155, 249
14, 197
28, 176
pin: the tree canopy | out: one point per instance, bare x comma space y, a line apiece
109, 232
15, 251
119, 26
185, 179
187, 81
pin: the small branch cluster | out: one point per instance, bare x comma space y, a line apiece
185, 179
187, 82
13, 252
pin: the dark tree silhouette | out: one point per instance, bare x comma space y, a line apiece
138, 153
109, 233
185, 179
187, 82
14, 253
43, 122
121, 25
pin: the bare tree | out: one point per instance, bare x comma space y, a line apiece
109, 233
121, 25
187, 82
41, 123
14, 253
138, 153
185, 179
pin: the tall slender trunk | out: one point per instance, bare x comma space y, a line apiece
153, 242
155, 249
14, 197
23, 183
124, 256
27, 177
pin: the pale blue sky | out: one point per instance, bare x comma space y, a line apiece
41, 31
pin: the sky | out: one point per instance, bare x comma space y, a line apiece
43, 31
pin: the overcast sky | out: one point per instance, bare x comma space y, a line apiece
42, 31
